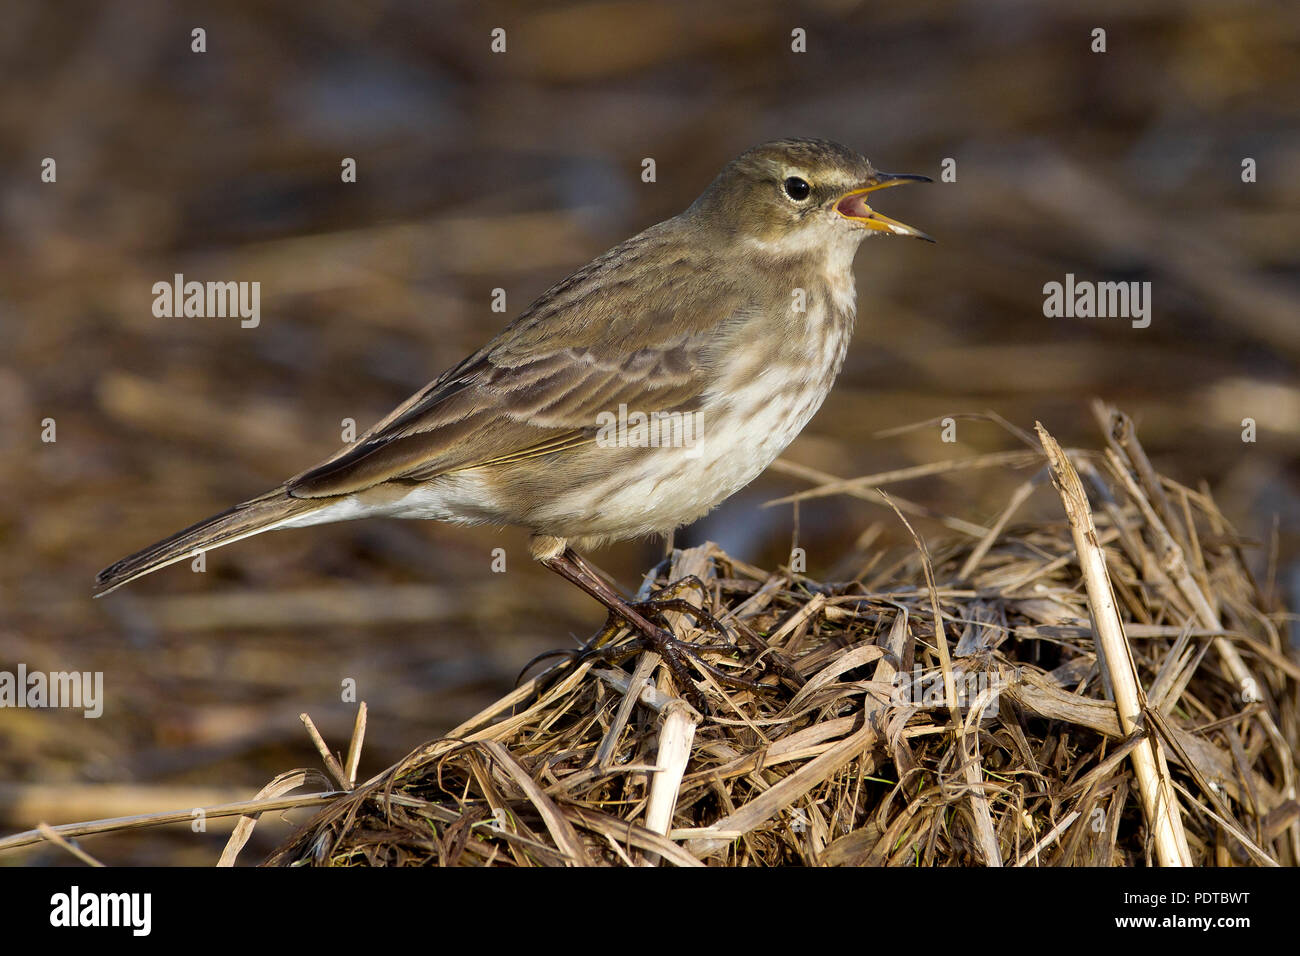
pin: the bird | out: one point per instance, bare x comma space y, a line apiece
630, 398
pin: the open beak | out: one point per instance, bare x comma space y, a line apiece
853, 205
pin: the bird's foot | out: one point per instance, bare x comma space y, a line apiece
677, 654
667, 599
647, 619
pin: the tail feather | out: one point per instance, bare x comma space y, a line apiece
234, 524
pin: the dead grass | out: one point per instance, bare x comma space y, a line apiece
949, 705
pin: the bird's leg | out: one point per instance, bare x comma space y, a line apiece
573, 569
665, 599
660, 600
571, 566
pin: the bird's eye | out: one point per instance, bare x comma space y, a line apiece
797, 189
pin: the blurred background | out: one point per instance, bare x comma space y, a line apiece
478, 171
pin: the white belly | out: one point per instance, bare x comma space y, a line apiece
742, 429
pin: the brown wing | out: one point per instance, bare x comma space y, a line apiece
638, 326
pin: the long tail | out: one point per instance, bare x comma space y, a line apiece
242, 521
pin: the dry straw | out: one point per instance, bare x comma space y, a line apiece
1109, 689
1106, 687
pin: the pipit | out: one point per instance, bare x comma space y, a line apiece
628, 400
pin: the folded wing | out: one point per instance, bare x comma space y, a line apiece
621, 331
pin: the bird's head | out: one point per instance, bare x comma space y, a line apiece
799, 193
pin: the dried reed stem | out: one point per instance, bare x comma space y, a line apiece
1159, 802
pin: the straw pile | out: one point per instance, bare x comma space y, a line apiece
1111, 688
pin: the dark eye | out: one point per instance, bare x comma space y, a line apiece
797, 189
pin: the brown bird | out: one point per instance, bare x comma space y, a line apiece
630, 398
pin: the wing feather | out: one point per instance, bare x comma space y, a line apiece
610, 334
